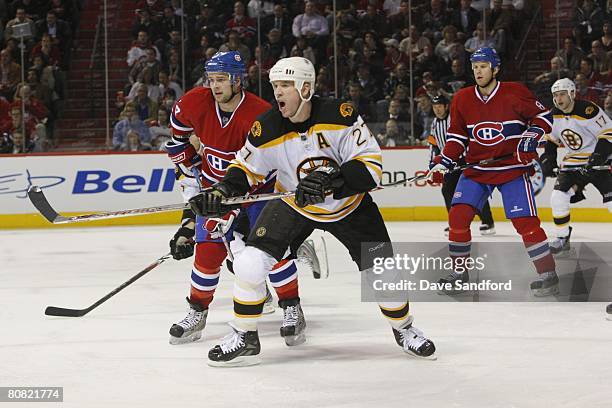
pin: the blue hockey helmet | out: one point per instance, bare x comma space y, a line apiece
486, 54
229, 62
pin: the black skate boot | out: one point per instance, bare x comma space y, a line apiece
547, 284
453, 279
294, 325
609, 312
190, 328
412, 341
237, 349
487, 229
560, 247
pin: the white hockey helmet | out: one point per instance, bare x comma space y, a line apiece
297, 69
564, 84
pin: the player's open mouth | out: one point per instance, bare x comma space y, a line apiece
281, 104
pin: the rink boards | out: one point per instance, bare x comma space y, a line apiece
77, 183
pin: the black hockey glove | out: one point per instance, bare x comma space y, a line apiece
549, 165
595, 159
313, 188
208, 202
182, 244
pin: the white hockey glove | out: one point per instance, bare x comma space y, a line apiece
218, 227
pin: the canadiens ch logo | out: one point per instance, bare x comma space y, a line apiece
488, 133
256, 129
346, 109
218, 160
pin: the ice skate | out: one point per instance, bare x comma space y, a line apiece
237, 349
609, 312
294, 324
268, 307
547, 284
487, 229
190, 328
454, 279
560, 247
314, 257
412, 341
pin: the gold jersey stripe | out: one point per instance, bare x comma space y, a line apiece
377, 170
292, 135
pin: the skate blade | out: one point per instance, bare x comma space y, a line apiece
296, 340
242, 361
432, 357
268, 308
488, 232
551, 291
187, 339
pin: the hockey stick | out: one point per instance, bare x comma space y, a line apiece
60, 311
41, 203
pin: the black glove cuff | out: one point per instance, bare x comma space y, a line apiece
185, 232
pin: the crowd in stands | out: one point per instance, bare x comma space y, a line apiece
30, 106
375, 54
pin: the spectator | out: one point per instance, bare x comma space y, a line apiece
234, 43
479, 40
397, 77
34, 107
149, 61
322, 87
20, 18
208, 24
252, 83
38, 89
263, 60
500, 20
260, 8
139, 48
570, 54
435, 19
170, 22
242, 24
10, 73
449, 35
391, 7
145, 80
146, 24
373, 20
302, 49
393, 55
311, 25
160, 130
6, 143
584, 91
173, 67
58, 30
465, 17
174, 43
14, 128
590, 19
389, 137
33, 9
608, 105
154, 7
145, 107
424, 117
168, 99
49, 52
131, 121
457, 79
415, 39
544, 81
400, 20
370, 90
165, 83
395, 111
429, 61
197, 72
606, 38
587, 69
275, 48
134, 142
280, 21
601, 60
358, 101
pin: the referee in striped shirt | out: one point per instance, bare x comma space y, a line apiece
437, 139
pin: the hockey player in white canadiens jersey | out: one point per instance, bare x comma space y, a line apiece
323, 150
585, 131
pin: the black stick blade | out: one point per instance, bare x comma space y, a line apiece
38, 199
60, 311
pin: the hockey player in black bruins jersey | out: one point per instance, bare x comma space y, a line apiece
324, 151
585, 131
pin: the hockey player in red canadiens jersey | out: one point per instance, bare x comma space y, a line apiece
220, 118
491, 120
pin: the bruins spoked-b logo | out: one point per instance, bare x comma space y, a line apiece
311, 163
571, 139
256, 129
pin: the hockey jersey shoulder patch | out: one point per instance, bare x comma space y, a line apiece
585, 109
334, 112
267, 127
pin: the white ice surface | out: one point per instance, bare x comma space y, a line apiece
489, 354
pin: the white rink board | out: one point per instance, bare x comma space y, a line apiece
109, 182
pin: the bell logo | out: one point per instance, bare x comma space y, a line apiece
488, 133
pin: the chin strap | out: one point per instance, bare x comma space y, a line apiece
303, 100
